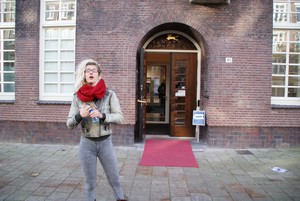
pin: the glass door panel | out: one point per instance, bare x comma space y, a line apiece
179, 89
156, 94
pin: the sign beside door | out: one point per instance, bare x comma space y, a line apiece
198, 118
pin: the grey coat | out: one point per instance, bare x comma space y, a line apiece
109, 105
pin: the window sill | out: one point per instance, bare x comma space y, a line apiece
284, 102
285, 106
54, 102
7, 102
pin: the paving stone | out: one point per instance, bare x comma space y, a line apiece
58, 196
238, 172
19, 195
270, 187
36, 198
239, 196
6, 191
275, 177
280, 197
218, 192
223, 175
160, 195
140, 188
223, 198
236, 187
31, 186
262, 199
67, 187
44, 191
243, 178
181, 199
200, 197
256, 192
256, 174
140, 197
160, 172
197, 188
53, 183
159, 187
215, 184
179, 188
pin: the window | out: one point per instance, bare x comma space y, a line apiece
57, 63
286, 52
7, 50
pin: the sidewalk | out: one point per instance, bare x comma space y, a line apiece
35, 172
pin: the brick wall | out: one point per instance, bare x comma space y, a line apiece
234, 95
55, 133
254, 137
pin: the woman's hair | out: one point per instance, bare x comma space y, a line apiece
79, 79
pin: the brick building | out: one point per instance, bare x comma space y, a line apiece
213, 57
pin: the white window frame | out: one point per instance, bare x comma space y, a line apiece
5, 96
64, 11
51, 14
285, 26
59, 24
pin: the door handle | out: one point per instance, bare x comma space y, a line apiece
142, 101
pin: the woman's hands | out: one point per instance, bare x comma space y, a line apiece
84, 111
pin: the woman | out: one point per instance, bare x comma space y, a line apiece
95, 108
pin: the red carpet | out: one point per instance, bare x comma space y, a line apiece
173, 153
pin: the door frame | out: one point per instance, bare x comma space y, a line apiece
140, 135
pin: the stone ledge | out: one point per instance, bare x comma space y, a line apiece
210, 1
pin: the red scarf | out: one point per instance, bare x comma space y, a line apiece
88, 93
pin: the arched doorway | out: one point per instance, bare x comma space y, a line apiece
169, 85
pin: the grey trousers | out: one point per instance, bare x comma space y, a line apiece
89, 151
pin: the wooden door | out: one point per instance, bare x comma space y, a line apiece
141, 100
183, 94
